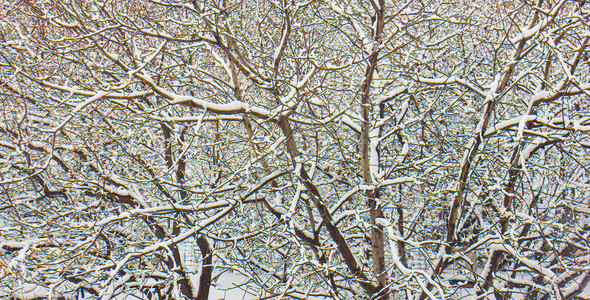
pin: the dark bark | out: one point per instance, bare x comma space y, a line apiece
205, 281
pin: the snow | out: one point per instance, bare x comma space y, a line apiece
403, 179
316, 101
22, 253
277, 53
343, 199
402, 111
577, 124
150, 58
222, 63
14, 245
404, 152
348, 121
504, 124
390, 95
79, 107
397, 180
526, 33
277, 143
526, 152
493, 89
451, 80
29, 291
377, 5
336, 7
303, 82
231, 285
340, 103
382, 222
394, 252
374, 158
288, 99
468, 150
585, 294
443, 80
540, 95
521, 124
177, 239
549, 275
222, 108
368, 44
295, 200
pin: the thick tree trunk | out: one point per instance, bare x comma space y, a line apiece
377, 239
205, 281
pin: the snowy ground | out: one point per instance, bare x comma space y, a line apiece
233, 286
230, 286
227, 286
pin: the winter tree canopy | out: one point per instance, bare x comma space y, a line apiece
367, 149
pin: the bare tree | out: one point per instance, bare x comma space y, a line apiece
341, 149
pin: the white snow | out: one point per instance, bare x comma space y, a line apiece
288, 99
577, 124
316, 101
468, 150
374, 158
539, 95
301, 83
526, 33
79, 107
521, 124
390, 95
348, 121
549, 275
22, 253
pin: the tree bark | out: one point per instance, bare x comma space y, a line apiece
205, 281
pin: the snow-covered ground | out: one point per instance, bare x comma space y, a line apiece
230, 286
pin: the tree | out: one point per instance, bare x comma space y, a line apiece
363, 149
